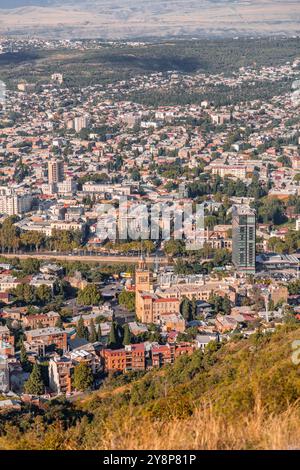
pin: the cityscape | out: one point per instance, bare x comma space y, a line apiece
150, 243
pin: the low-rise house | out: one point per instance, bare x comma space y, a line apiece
43, 280
203, 340
172, 322
6, 336
14, 313
225, 323
137, 328
6, 405
8, 282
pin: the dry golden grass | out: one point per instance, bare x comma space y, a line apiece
206, 430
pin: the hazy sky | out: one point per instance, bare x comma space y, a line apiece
136, 18
22, 3
10, 4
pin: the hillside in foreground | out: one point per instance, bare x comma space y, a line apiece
244, 395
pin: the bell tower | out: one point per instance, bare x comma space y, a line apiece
143, 284
143, 277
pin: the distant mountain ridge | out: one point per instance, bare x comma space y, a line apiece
148, 18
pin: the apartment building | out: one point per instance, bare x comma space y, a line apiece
132, 357
12, 203
46, 320
67, 186
55, 171
60, 374
199, 292
41, 338
8, 282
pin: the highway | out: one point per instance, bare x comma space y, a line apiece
108, 259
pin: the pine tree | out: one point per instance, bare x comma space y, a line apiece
186, 309
82, 331
226, 305
26, 366
194, 308
93, 332
127, 335
112, 342
99, 335
35, 384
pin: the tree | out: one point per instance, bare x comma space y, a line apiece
59, 323
113, 336
32, 239
44, 294
30, 266
99, 335
89, 295
285, 160
126, 335
294, 287
93, 332
81, 330
174, 247
83, 377
127, 300
135, 174
35, 384
185, 309
24, 293
221, 304
193, 307
26, 366
64, 289
226, 305
9, 236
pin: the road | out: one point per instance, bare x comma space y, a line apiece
92, 258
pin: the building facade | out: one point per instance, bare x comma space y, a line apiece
55, 171
243, 239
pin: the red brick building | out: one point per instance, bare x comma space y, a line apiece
132, 357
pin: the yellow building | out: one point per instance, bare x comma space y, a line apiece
150, 306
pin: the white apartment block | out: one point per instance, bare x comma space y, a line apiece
81, 122
107, 188
14, 204
67, 186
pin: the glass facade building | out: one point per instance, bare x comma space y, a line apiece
243, 239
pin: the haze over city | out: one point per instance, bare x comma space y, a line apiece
162, 18
149, 228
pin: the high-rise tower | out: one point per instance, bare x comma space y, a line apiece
243, 239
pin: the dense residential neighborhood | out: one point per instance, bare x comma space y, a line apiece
91, 298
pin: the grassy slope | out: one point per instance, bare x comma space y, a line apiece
243, 396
